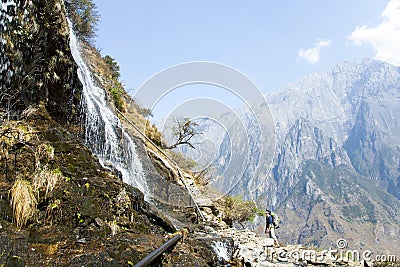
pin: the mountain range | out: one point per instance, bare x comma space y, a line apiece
335, 170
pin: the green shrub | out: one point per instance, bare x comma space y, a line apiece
113, 65
117, 98
235, 209
116, 92
85, 17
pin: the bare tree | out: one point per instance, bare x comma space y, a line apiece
184, 131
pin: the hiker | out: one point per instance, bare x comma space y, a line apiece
270, 225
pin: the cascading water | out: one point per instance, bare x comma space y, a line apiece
8, 9
223, 250
104, 134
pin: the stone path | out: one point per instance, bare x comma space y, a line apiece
252, 250
258, 251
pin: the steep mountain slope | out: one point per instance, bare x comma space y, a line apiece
68, 167
336, 170
355, 106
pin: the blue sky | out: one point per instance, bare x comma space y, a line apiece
272, 42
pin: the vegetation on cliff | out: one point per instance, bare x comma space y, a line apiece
57, 203
38, 65
85, 17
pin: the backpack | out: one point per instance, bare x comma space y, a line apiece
276, 220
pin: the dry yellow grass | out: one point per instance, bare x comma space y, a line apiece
44, 153
23, 202
47, 179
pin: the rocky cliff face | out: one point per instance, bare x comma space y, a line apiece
36, 63
62, 199
355, 106
336, 170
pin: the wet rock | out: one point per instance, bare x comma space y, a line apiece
157, 217
223, 248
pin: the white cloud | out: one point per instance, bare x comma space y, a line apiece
384, 37
312, 54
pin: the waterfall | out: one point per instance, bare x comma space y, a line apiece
7, 13
8, 9
223, 250
104, 133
